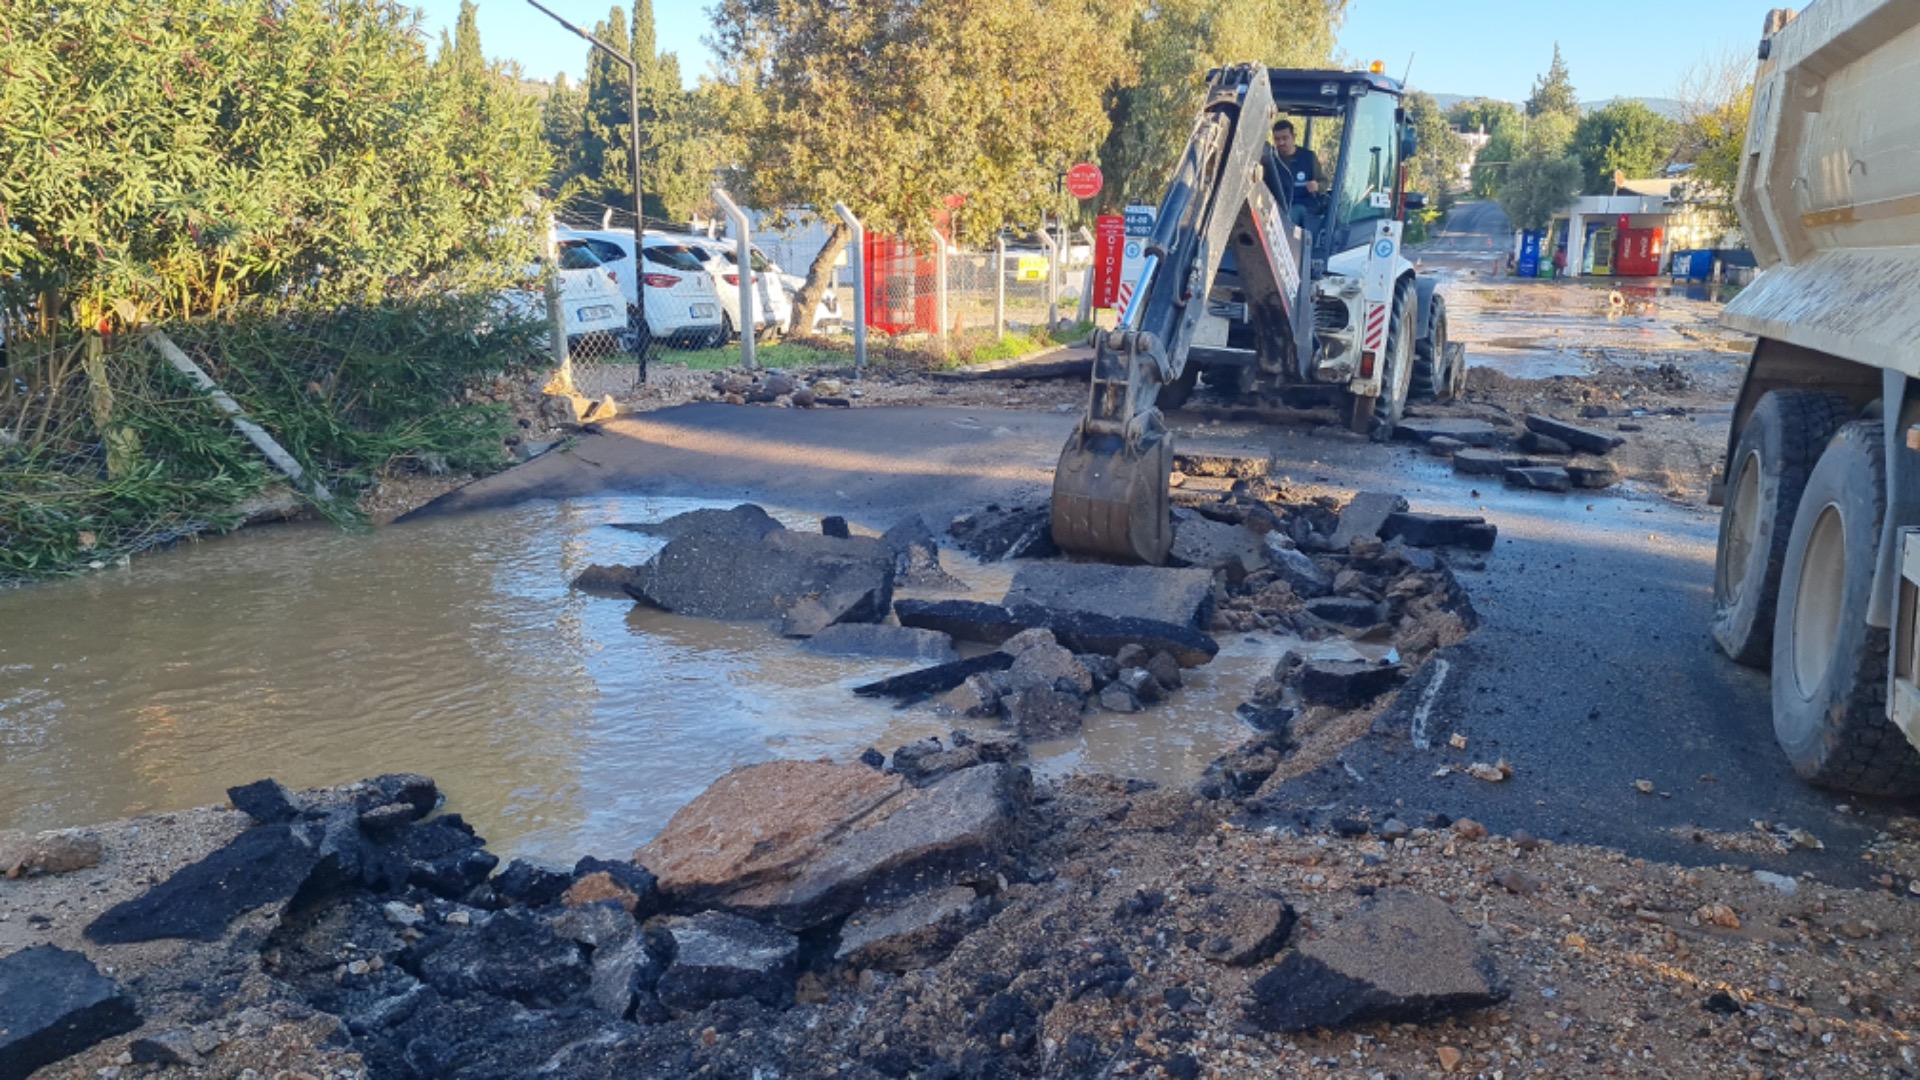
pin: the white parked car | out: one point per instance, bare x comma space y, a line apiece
827, 316
683, 304
772, 306
590, 303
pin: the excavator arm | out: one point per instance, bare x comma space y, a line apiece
1110, 489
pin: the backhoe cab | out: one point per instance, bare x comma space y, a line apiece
1233, 288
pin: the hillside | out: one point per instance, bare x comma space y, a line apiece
1667, 107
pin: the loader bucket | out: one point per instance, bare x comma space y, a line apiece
1113, 503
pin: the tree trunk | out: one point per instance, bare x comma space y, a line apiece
807, 304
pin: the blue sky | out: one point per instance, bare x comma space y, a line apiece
1626, 48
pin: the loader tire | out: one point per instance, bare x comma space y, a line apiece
1768, 472
1829, 666
1396, 374
1175, 394
1432, 380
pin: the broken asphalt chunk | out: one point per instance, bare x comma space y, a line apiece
1592, 475
883, 642
1540, 478
1580, 438
53, 1004
730, 565
1079, 631
266, 864
1440, 530
1401, 958
1346, 611
1180, 596
801, 844
1364, 516
1234, 466
962, 620
915, 933
1208, 545
1488, 462
1346, 683
935, 680
993, 534
1461, 429
1296, 567
1535, 443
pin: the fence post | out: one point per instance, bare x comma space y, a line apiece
255, 434
859, 263
940, 285
556, 314
743, 246
1053, 269
999, 287
123, 446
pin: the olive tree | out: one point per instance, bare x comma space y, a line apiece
1170, 47
904, 109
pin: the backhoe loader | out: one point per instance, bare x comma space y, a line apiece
1269, 296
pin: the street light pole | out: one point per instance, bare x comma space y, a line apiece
633, 147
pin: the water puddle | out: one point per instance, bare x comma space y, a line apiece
559, 724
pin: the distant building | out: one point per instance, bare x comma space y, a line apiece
1635, 232
1475, 141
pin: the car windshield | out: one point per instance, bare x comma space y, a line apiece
575, 255
607, 250
758, 260
678, 256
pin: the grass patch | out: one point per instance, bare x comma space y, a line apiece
905, 353
1015, 345
798, 352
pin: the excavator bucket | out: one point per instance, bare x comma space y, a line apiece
1111, 501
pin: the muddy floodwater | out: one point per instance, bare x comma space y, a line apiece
559, 724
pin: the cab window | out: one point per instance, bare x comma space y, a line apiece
1371, 157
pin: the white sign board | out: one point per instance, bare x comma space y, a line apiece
1133, 253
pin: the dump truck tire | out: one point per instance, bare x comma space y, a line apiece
1777, 450
1829, 666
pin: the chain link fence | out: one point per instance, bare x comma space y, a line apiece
1018, 287
922, 297
689, 283
113, 444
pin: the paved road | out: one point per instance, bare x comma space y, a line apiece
1475, 234
1592, 668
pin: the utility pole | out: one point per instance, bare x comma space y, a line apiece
633, 147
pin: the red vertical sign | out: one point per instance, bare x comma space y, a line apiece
1109, 237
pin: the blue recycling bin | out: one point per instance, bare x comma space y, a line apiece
1693, 265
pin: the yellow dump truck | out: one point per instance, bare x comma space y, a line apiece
1819, 549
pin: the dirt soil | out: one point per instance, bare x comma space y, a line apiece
668, 385
1655, 368
1094, 964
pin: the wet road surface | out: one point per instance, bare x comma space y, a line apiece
1592, 669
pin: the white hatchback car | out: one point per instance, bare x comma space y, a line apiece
590, 303
683, 305
772, 306
826, 315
